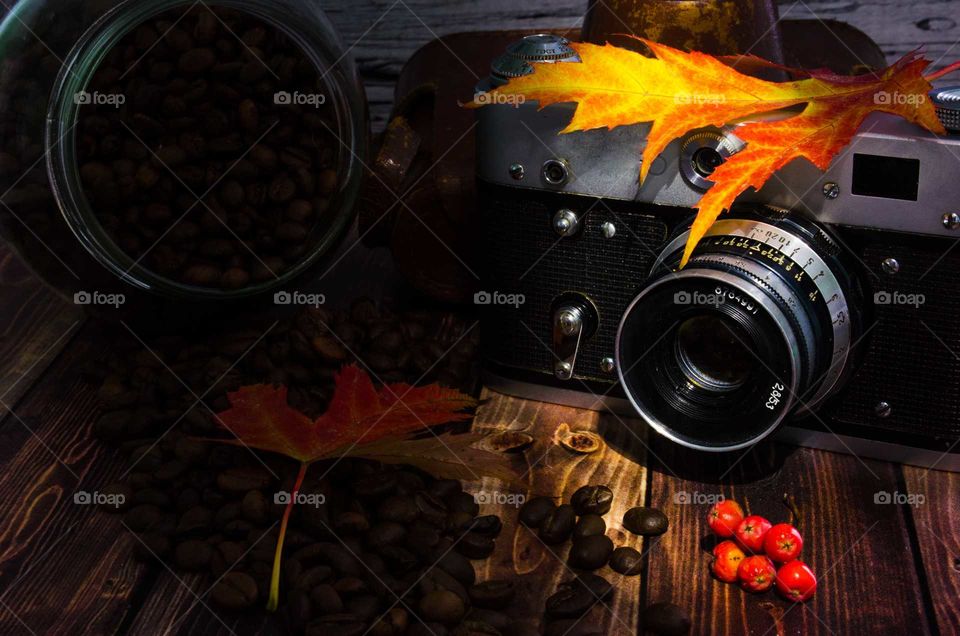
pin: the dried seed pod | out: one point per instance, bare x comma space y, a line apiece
582, 442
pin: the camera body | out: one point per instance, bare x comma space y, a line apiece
820, 309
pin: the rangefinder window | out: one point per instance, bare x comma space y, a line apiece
886, 177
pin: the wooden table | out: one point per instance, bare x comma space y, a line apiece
67, 569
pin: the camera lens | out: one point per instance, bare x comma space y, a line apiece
707, 349
706, 160
755, 327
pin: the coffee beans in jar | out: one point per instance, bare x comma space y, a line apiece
217, 158
171, 151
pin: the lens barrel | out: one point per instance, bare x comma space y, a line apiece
757, 325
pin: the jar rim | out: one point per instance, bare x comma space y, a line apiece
310, 31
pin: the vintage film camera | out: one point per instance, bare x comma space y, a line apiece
823, 307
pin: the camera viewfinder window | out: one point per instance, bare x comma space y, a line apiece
887, 177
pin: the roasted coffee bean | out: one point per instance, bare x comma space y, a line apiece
195, 521
432, 509
365, 607
422, 537
442, 606
556, 528
326, 599
236, 590
444, 488
241, 480
474, 545
297, 612
665, 619
492, 594
255, 507
589, 525
489, 525
571, 627
463, 502
458, 566
590, 553
385, 534
142, 518
458, 522
437, 579
428, 629
570, 600
534, 512
592, 500
627, 561
645, 521
193, 555
339, 624
352, 522
349, 585
400, 509
597, 585
483, 622
399, 559
312, 577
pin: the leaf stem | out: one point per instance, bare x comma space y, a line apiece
790, 502
274, 599
944, 71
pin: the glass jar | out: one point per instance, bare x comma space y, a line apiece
165, 150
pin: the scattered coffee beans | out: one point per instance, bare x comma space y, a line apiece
645, 521
665, 619
592, 500
626, 561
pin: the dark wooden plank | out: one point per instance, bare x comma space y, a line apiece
64, 567
35, 324
384, 33
859, 549
556, 472
938, 539
180, 604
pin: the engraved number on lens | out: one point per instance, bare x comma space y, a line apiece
775, 394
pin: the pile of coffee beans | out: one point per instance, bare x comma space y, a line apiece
362, 535
212, 103
582, 521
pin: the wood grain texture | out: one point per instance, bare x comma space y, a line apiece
172, 608
938, 539
859, 549
35, 324
64, 567
382, 34
556, 472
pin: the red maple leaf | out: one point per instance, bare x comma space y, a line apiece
260, 417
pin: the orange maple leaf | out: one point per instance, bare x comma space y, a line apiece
359, 416
677, 91
260, 417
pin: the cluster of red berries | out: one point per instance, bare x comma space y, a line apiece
767, 544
